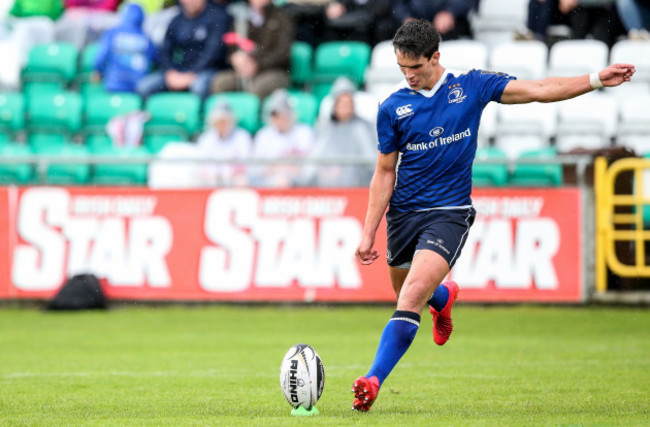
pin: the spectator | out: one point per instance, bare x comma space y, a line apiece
26, 8
598, 19
369, 21
308, 17
282, 138
109, 5
449, 17
225, 140
84, 21
261, 52
345, 135
125, 53
192, 51
635, 15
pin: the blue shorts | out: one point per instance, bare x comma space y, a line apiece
443, 231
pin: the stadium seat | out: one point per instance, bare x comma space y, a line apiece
540, 174
61, 173
576, 57
101, 107
155, 142
588, 122
29, 32
634, 124
15, 172
382, 73
120, 173
496, 20
11, 64
86, 66
366, 106
463, 55
165, 174
525, 60
525, 127
339, 58
635, 52
12, 114
245, 106
52, 62
302, 55
56, 114
488, 128
173, 113
489, 175
304, 104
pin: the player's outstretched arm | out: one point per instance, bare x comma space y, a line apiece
381, 190
560, 88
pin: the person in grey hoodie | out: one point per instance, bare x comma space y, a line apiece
344, 135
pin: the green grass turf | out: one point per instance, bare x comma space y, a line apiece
219, 365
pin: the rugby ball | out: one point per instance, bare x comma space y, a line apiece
302, 376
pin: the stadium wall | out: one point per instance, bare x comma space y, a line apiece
294, 245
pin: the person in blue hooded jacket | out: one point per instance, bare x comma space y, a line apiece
125, 53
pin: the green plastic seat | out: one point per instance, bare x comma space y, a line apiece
245, 106
119, 173
156, 142
173, 113
54, 112
15, 172
51, 62
62, 173
302, 56
305, 105
339, 58
489, 175
537, 175
100, 108
87, 62
12, 113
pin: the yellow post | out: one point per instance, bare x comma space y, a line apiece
600, 192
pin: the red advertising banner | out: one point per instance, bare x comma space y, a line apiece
242, 244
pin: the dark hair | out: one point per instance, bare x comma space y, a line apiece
417, 38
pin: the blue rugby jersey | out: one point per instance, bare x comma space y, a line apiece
435, 134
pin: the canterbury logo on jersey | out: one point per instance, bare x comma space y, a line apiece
404, 111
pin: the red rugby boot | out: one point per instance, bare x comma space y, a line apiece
365, 392
442, 325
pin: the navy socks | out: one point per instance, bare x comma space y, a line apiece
395, 340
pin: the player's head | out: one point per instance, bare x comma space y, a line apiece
416, 38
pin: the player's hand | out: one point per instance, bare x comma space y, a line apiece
616, 74
365, 253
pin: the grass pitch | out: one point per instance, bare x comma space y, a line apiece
219, 365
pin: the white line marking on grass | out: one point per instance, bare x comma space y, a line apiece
142, 374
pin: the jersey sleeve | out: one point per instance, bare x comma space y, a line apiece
492, 85
386, 133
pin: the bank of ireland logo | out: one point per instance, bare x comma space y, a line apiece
436, 132
456, 95
404, 111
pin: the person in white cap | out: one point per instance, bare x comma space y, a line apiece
223, 139
282, 138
